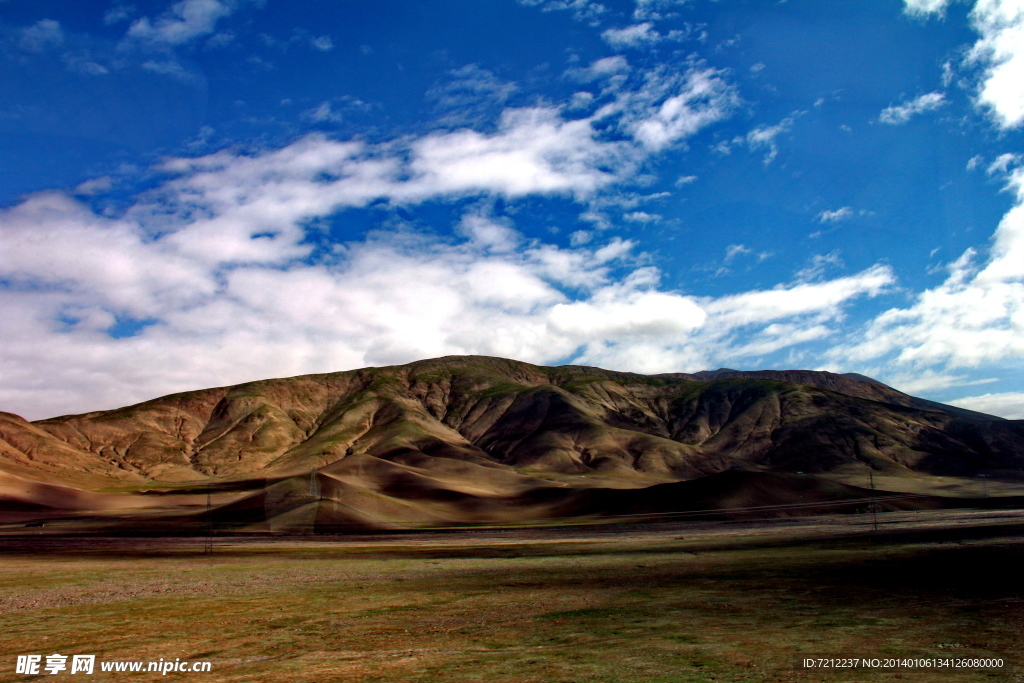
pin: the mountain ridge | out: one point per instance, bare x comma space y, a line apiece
479, 440
498, 413
849, 383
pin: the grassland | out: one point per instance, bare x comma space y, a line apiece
683, 602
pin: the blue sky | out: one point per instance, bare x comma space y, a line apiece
205, 192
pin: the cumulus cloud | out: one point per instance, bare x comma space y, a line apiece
626, 310
899, 114
1009, 404
534, 150
219, 271
1000, 50
734, 327
974, 317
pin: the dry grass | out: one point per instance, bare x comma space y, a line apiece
682, 603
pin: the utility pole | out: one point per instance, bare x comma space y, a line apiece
208, 543
874, 509
314, 485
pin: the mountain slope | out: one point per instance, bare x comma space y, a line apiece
506, 420
849, 383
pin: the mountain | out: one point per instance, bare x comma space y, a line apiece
471, 437
849, 383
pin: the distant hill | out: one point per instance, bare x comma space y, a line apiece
471, 439
849, 383
498, 420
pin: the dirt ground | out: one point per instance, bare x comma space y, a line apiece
680, 601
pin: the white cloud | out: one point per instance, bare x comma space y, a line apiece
183, 22
169, 67
835, 216
322, 113
118, 13
654, 10
642, 217
923, 8
1009, 405
321, 43
899, 114
670, 107
1003, 163
819, 263
93, 186
734, 250
42, 36
930, 380
763, 137
223, 267
336, 110
488, 234
803, 298
976, 316
217, 260
737, 326
624, 311
581, 100
1001, 51
83, 65
582, 10
534, 150
599, 69
470, 89
638, 36
580, 237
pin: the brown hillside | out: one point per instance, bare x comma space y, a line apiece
475, 438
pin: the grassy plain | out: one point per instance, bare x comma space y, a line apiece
699, 601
